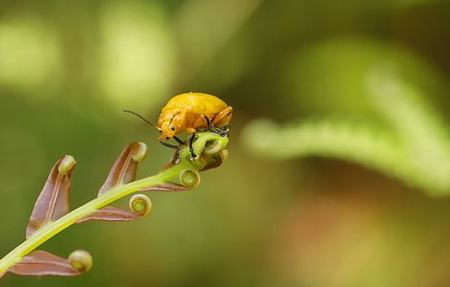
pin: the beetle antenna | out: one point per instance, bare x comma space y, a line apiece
141, 117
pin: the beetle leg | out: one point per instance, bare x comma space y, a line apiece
169, 145
220, 131
176, 158
211, 127
191, 148
225, 131
178, 140
209, 123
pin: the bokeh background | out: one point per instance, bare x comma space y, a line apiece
344, 183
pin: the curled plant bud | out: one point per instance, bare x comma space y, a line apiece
66, 164
215, 160
140, 204
212, 147
190, 178
140, 152
81, 260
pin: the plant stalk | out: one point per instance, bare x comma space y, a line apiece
115, 193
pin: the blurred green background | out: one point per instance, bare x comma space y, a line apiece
341, 212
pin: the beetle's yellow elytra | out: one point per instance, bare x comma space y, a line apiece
186, 113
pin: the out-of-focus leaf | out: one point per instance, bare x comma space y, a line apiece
110, 213
368, 145
365, 144
41, 263
125, 167
25, 42
423, 132
53, 201
137, 54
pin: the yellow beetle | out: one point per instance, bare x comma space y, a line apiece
190, 112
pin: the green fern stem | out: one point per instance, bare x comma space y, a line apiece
115, 193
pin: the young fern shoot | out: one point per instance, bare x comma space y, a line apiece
51, 213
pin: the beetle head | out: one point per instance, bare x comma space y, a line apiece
168, 131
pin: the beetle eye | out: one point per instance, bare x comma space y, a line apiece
172, 128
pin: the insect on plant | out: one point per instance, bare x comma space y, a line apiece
191, 112
51, 213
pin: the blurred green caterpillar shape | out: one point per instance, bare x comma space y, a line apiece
415, 149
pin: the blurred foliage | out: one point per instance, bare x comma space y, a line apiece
137, 53
28, 41
67, 69
414, 145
